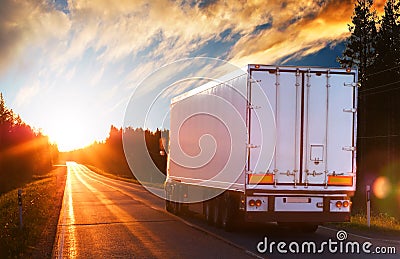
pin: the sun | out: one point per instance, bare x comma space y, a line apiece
69, 137
71, 119
69, 134
70, 127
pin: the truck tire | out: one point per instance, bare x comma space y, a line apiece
208, 212
216, 212
168, 205
227, 212
176, 207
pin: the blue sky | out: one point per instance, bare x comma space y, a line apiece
70, 67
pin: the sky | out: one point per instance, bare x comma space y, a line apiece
70, 68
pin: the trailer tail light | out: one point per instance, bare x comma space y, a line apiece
339, 206
252, 203
256, 203
342, 180
260, 178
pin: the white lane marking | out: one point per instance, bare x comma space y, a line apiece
363, 237
67, 208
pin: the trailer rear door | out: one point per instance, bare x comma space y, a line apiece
328, 131
314, 119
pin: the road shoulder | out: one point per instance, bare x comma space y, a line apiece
44, 247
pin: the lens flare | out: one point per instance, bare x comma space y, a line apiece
381, 187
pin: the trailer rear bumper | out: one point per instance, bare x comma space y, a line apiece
310, 217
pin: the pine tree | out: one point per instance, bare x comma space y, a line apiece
374, 48
388, 45
360, 52
361, 44
386, 80
4, 113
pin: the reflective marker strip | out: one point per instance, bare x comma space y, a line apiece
261, 178
340, 180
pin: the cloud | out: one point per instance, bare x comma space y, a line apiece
379, 6
312, 30
24, 23
115, 30
26, 93
176, 30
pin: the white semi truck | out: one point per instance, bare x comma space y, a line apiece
266, 144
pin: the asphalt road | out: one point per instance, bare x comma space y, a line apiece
106, 218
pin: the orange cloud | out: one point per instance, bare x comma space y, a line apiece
379, 6
24, 23
314, 29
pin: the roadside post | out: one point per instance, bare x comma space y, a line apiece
368, 193
20, 208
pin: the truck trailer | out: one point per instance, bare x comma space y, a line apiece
266, 144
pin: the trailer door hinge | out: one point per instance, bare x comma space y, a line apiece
254, 81
348, 148
253, 107
353, 110
252, 146
314, 173
352, 84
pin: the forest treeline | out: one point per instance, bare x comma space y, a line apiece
142, 149
24, 152
374, 48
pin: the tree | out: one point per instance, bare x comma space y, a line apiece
23, 151
5, 114
388, 44
374, 48
361, 44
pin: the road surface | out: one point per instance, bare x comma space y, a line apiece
106, 218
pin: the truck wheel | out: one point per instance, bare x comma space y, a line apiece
168, 206
227, 213
216, 216
176, 207
208, 212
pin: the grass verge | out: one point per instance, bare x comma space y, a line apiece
382, 224
41, 200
